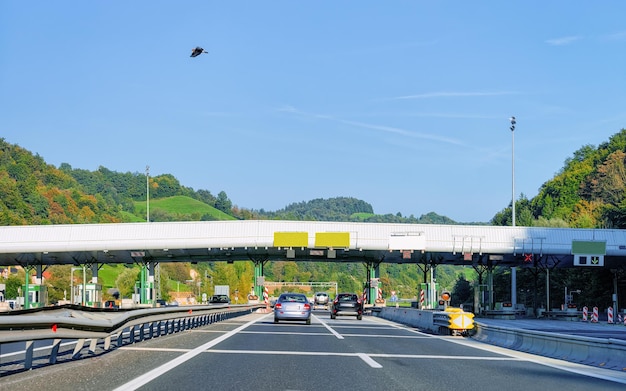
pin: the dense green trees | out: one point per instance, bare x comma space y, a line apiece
588, 192
33, 192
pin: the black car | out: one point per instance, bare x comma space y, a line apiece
219, 299
347, 304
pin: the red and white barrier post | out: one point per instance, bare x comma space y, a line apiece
585, 313
594, 317
610, 315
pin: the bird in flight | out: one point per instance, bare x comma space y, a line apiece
195, 52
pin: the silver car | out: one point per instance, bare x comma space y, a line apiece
292, 306
321, 299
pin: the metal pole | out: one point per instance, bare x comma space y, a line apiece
547, 290
514, 286
26, 283
615, 296
148, 194
513, 122
84, 287
513, 269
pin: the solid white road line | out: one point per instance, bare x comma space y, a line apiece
336, 334
156, 372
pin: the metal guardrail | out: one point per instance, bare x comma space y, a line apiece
105, 330
607, 353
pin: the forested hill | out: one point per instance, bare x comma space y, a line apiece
33, 192
589, 191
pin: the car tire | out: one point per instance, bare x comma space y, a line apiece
333, 316
359, 317
275, 320
308, 321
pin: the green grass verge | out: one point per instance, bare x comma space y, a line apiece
181, 206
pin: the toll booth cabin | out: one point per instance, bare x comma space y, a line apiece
37, 296
91, 296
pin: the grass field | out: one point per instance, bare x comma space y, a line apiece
181, 205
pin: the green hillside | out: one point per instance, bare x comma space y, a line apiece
179, 208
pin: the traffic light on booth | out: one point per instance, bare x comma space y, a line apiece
445, 298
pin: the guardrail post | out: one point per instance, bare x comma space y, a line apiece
28, 357
55, 351
79, 346
120, 339
93, 345
131, 334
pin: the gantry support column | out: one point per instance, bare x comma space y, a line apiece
514, 286
39, 277
372, 270
427, 294
490, 287
259, 276
94, 272
150, 282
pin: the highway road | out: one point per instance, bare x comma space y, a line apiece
253, 353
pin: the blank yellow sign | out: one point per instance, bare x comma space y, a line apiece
332, 239
291, 239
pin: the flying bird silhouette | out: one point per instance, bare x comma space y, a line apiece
195, 52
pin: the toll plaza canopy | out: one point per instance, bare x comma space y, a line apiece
262, 240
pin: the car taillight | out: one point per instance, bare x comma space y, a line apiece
307, 306
278, 305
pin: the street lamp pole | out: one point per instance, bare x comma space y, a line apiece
147, 194
513, 269
513, 168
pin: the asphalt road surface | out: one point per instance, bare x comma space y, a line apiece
252, 353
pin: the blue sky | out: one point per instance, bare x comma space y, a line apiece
403, 104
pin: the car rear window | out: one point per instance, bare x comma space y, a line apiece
294, 298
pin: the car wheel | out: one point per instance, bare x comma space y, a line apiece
333, 316
275, 320
308, 321
359, 317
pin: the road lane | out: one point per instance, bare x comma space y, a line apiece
252, 352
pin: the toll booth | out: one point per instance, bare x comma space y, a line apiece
90, 296
37, 296
144, 292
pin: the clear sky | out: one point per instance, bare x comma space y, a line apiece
402, 104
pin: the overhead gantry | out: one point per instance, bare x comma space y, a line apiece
264, 240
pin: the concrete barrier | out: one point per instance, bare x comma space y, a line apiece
600, 352
422, 319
